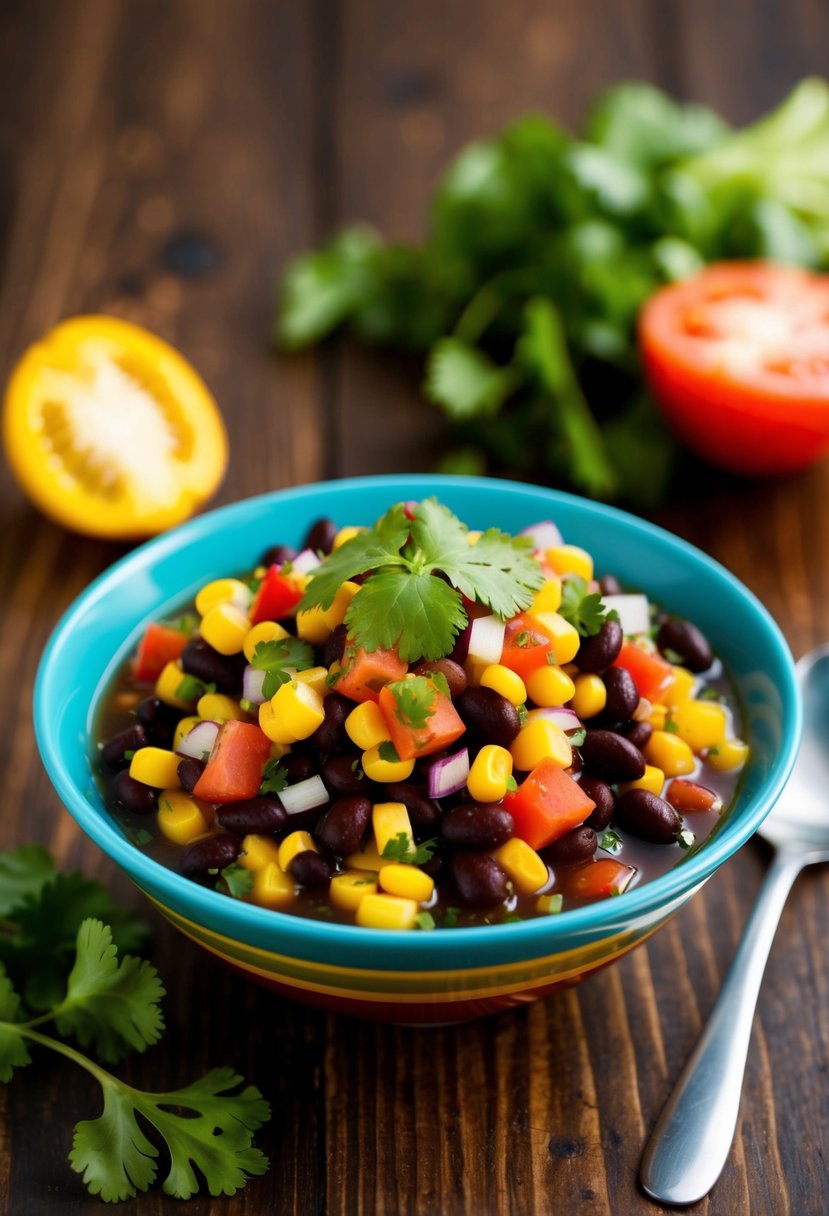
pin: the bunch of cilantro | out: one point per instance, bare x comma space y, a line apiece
63, 976
540, 251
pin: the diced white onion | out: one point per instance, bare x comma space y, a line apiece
634, 612
198, 742
303, 796
486, 639
305, 562
544, 535
448, 775
252, 680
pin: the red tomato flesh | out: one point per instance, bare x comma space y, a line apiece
159, 646
443, 726
234, 770
547, 805
277, 597
738, 358
596, 879
651, 673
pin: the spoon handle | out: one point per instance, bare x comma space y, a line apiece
692, 1138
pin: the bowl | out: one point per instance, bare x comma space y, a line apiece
398, 976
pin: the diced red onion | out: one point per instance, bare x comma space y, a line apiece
305, 562
634, 612
252, 680
303, 796
486, 639
198, 742
544, 535
448, 775
567, 719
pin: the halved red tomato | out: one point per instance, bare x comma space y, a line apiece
738, 358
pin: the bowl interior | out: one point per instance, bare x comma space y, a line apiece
103, 625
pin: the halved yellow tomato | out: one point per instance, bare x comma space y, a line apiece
110, 431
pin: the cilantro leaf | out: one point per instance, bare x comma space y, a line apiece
190, 688
420, 614
584, 610
111, 1003
369, 550
425, 921
388, 752
279, 659
214, 1137
23, 872
415, 701
403, 849
465, 382
274, 778
236, 881
13, 1050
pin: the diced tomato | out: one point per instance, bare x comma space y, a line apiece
277, 596
159, 646
547, 804
443, 726
595, 880
364, 673
689, 796
651, 673
234, 770
525, 649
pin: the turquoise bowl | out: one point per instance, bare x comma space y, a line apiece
397, 976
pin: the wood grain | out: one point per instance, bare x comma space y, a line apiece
163, 161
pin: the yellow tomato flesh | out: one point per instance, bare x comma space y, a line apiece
110, 431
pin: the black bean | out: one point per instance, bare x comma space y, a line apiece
343, 775
622, 693
159, 720
206, 664
647, 816
601, 793
489, 714
137, 797
189, 771
574, 848
343, 827
129, 740
211, 853
309, 869
334, 646
687, 641
638, 733
598, 652
320, 536
480, 881
277, 555
461, 648
452, 672
611, 756
330, 736
423, 812
254, 816
477, 826
434, 864
610, 585
298, 766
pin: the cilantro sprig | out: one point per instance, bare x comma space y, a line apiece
582, 608
109, 1002
279, 659
418, 571
403, 849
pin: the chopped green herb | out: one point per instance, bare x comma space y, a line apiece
441, 683
709, 694
274, 778
246, 705
357, 769
402, 848
523, 714
388, 752
236, 880
552, 661
279, 659
190, 688
672, 656
415, 701
187, 624
128, 755
512, 784
611, 842
523, 639
577, 737
712, 751
450, 918
671, 726
685, 838
582, 608
425, 921
137, 836
511, 918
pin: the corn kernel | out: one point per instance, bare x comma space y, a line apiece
278, 750
183, 727
523, 865
316, 678
701, 724
225, 628
657, 716
680, 688
156, 766
490, 773
294, 712
258, 851
295, 842
316, 625
349, 889
589, 696
504, 681
387, 912
378, 769
183, 818
223, 591
345, 534
564, 637
570, 559
670, 753
389, 821
366, 726
168, 684
218, 707
474, 669
407, 881
549, 686
265, 631
540, 740
653, 780
728, 756
272, 887
548, 598
367, 858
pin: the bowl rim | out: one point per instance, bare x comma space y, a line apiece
248, 921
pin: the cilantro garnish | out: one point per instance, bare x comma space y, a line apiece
236, 880
128, 755
577, 737
685, 838
709, 694
110, 1003
274, 778
402, 602
450, 918
402, 848
415, 701
388, 752
425, 920
672, 656
523, 714
611, 842
523, 639
582, 608
512, 784
280, 658
190, 688
671, 726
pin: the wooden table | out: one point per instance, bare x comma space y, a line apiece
162, 161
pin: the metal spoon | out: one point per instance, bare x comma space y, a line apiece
692, 1138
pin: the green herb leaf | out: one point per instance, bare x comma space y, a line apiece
388, 752
236, 880
425, 921
419, 614
709, 694
584, 610
577, 737
13, 1050
190, 688
450, 918
415, 701
465, 382
280, 659
685, 838
512, 784
274, 778
611, 841
23, 872
401, 848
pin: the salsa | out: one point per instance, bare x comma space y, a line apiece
417, 726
